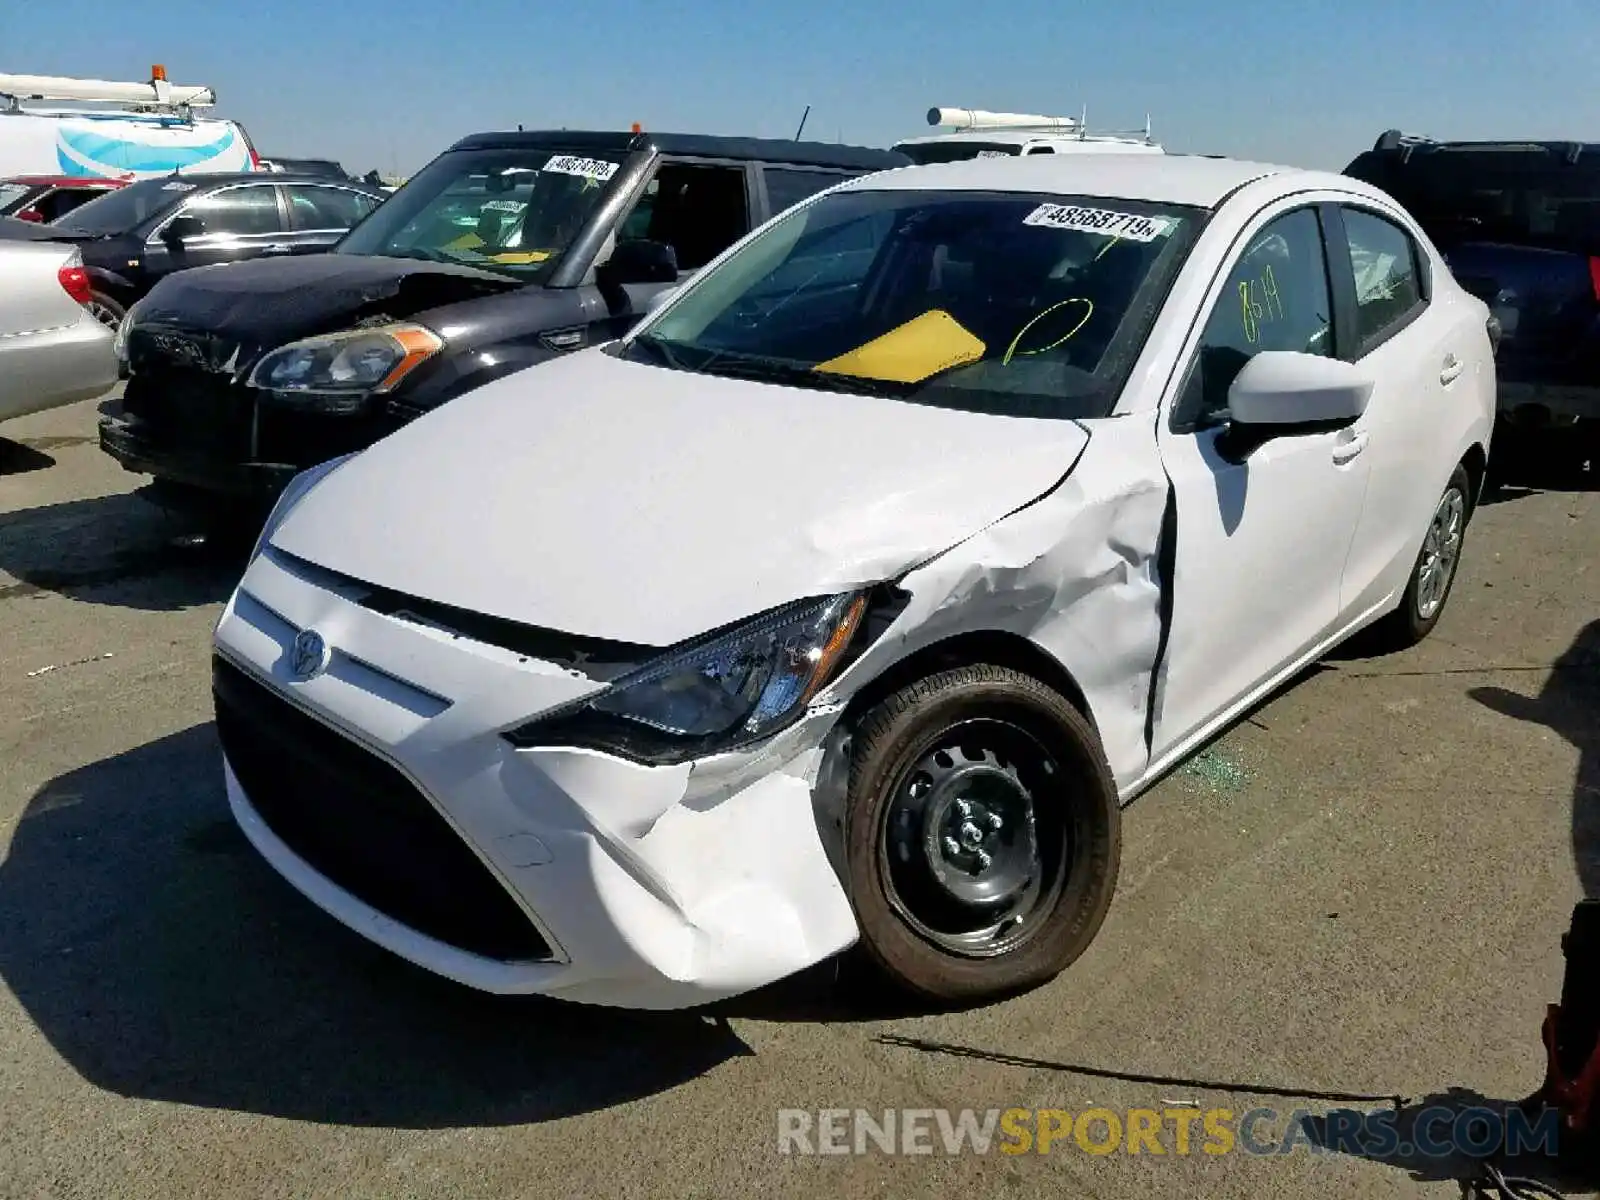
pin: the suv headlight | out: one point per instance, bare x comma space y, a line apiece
341, 369
714, 694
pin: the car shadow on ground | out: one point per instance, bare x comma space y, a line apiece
1569, 705
20, 458
123, 550
164, 960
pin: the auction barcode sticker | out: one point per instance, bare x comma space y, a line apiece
586, 168
1129, 227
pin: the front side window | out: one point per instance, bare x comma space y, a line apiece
1384, 259
1276, 297
512, 211
239, 211
998, 302
697, 210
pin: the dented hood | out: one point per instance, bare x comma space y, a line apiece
631, 502
269, 301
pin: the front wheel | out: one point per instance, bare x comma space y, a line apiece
1434, 572
983, 834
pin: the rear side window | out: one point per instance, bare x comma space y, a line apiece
1388, 286
787, 186
327, 207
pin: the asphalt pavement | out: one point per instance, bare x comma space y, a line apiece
1357, 893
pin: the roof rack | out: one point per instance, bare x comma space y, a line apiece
971, 119
156, 95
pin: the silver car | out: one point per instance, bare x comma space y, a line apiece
52, 349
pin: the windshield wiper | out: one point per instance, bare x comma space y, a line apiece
661, 349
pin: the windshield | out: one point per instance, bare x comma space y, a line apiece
925, 153
1527, 196
998, 302
120, 210
513, 210
10, 193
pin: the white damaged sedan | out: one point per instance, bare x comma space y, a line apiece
847, 599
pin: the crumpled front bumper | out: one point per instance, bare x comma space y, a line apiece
125, 440
652, 887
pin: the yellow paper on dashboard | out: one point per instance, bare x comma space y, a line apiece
920, 348
513, 258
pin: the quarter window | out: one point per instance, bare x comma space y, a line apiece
1384, 259
1276, 297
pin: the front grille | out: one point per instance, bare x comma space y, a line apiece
359, 822
192, 410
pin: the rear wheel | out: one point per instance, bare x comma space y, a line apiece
983, 834
105, 310
1434, 572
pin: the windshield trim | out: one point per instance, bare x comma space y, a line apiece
1127, 348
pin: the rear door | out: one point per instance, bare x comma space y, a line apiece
321, 214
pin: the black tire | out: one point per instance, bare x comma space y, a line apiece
1023, 742
1409, 623
106, 310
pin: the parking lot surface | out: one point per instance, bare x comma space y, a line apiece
1359, 891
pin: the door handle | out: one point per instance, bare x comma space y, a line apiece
1452, 369
1346, 450
278, 248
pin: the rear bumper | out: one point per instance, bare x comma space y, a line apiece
55, 367
124, 440
1539, 403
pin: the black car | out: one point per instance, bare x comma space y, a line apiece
506, 250
1519, 224
135, 236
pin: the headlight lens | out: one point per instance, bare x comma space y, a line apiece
355, 363
715, 694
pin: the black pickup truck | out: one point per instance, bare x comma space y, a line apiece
1519, 225
506, 250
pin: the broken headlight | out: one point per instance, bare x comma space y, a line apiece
714, 694
346, 366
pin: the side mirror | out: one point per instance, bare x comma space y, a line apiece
181, 229
31, 214
639, 260
1285, 389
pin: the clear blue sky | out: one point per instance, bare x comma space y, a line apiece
387, 85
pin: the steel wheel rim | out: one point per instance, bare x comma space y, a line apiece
969, 858
1441, 553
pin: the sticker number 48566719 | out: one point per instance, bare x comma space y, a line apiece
1128, 227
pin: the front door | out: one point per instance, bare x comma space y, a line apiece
1262, 532
240, 222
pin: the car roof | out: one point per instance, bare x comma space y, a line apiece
63, 181
815, 154
212, 178
1201, 181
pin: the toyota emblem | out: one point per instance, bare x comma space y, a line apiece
309, 655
